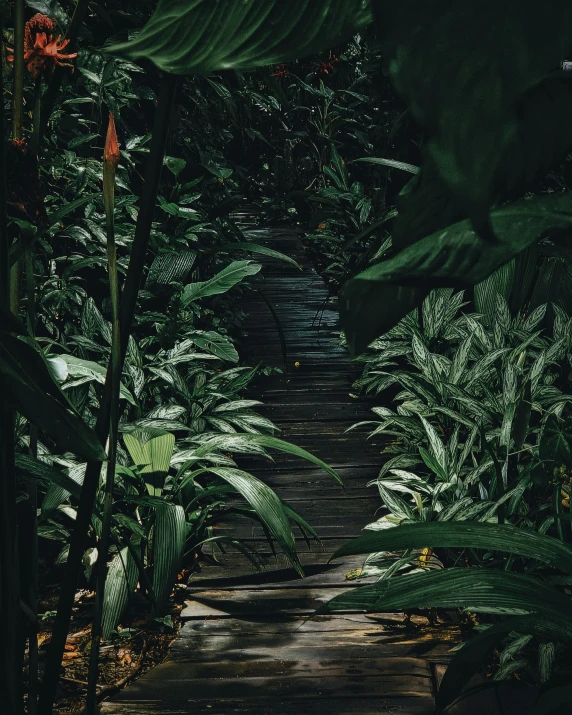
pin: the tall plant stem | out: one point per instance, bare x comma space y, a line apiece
18, 107
18, 124
9, 574
91, 480
32, 488
110, 160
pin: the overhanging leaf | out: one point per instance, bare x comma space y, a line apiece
497, 537
261, 440
481, 590
466, 95
32, 468
203, 36
268, 507
25, 377
454, 256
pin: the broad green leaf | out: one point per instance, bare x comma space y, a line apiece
222, 282
203, 36
77, 367
26, 379
268, 507
465, 96
119, 585
215, 343
455, 256
169, 536
261, 441
497, 537
152, 458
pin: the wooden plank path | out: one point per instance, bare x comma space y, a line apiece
247, 644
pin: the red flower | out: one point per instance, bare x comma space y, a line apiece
111, 152
281, 71
42, 51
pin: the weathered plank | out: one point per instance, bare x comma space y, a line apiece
378, 685
268, 706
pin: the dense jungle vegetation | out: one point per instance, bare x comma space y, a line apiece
424, 151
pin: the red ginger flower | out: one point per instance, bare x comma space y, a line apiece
111, 153
42, 52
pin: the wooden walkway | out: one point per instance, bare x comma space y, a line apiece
247, 645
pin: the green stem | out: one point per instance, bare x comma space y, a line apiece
116, 369
32, 488
9, 572
18, 109
91, 480
35, 141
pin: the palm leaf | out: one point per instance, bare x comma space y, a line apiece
168, 543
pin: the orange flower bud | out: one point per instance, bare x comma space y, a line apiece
111, 151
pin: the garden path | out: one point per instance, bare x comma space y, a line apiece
246, 646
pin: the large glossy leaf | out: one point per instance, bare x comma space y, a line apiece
202, 36
26, 379
497, 537
268, 507
119, 585
372, 302
479, 590
260, 441
152, 457
169, 536
464, 88
223, 281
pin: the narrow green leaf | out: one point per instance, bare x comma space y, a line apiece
268, 507
32, 468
